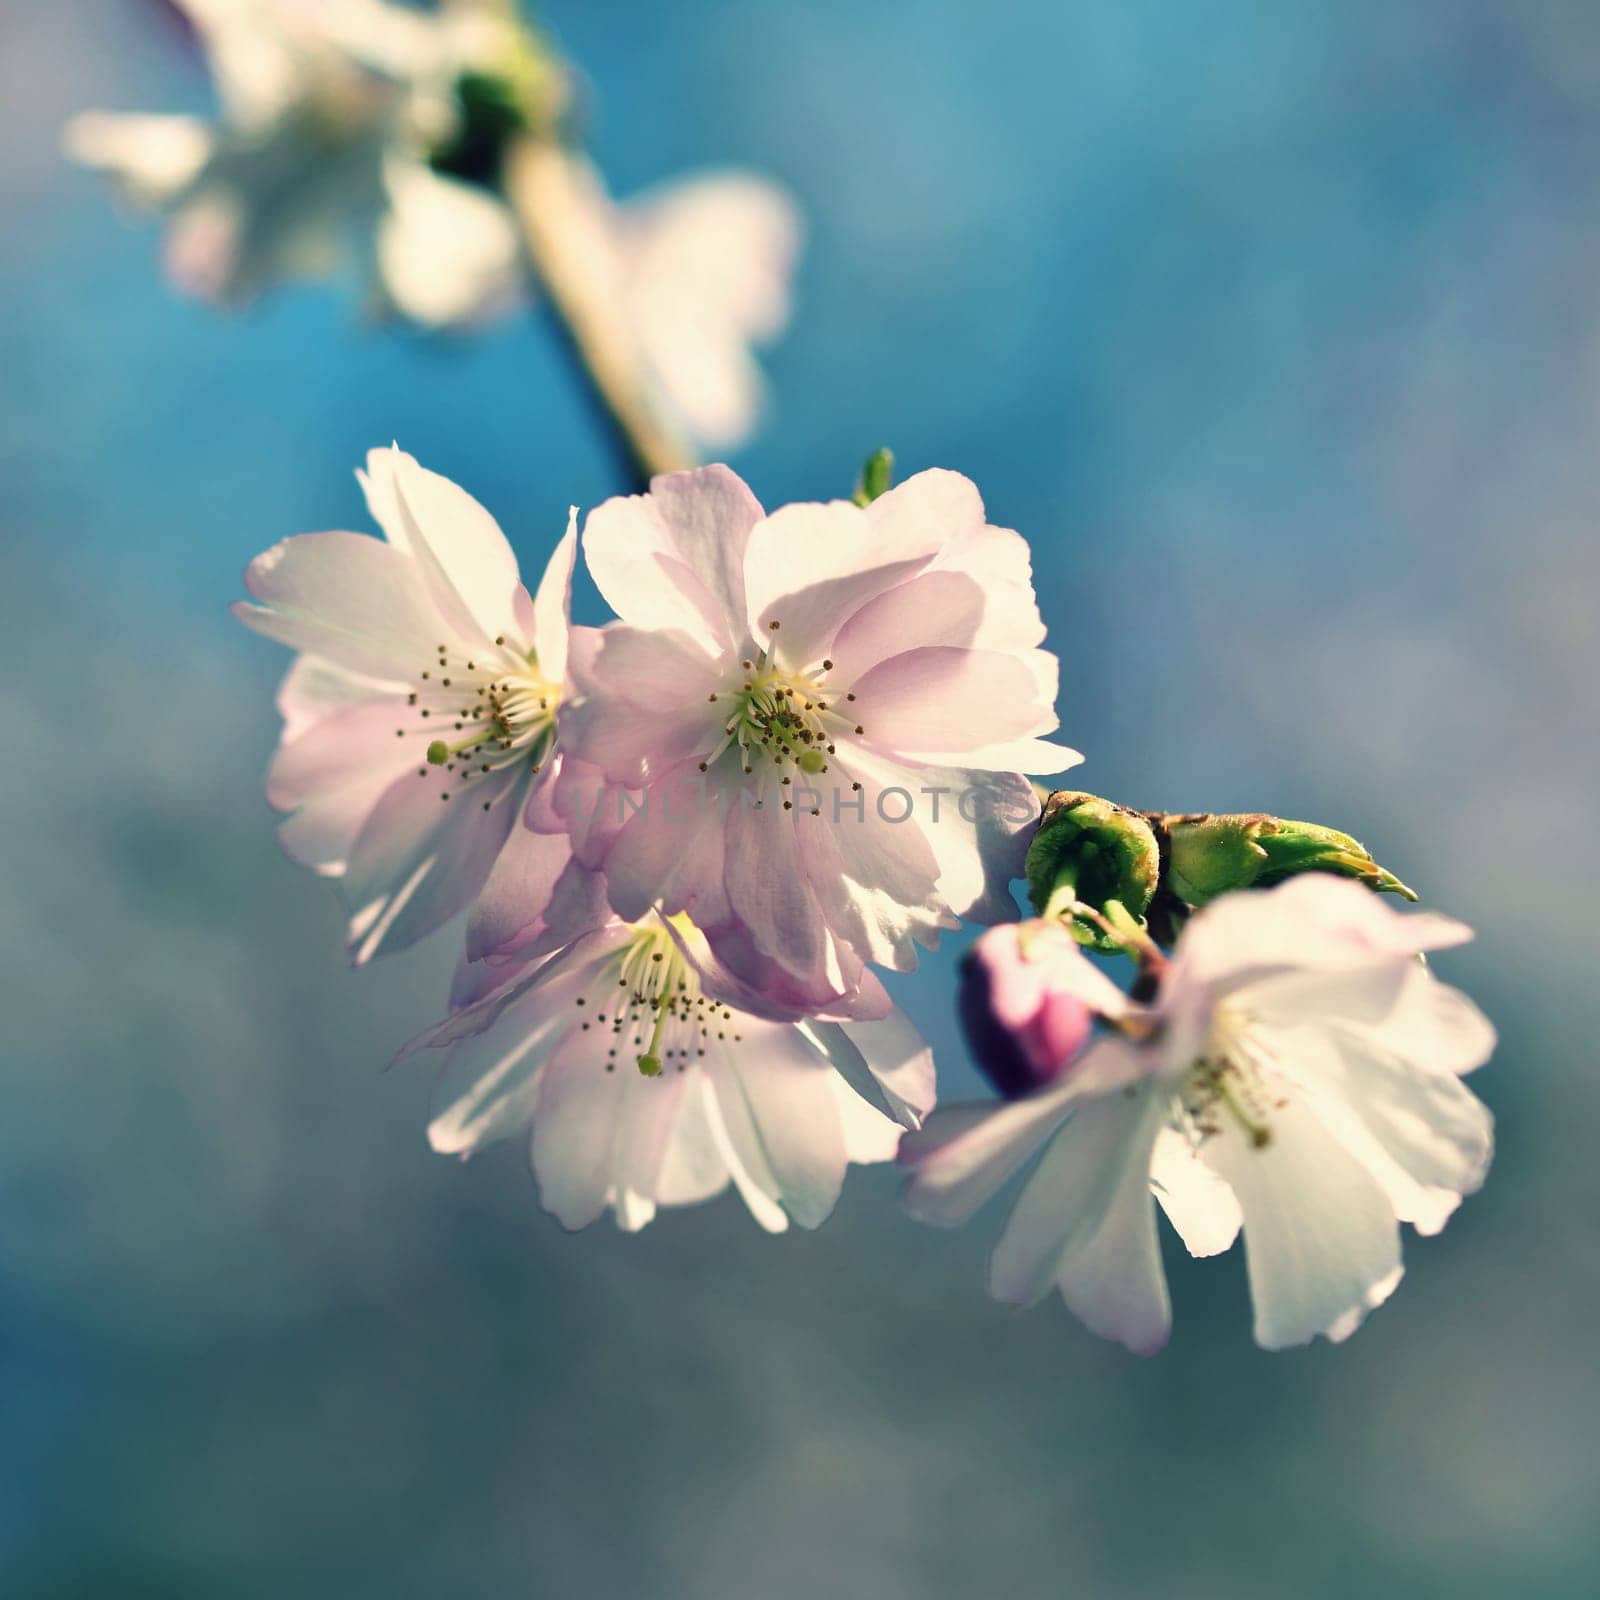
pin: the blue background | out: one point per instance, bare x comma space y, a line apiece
1275, 327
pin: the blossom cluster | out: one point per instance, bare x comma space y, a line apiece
683, 844
669, 838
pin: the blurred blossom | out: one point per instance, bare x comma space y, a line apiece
420, 720
701, 269
348, 134
643, 1091
1296, 1074
318, 155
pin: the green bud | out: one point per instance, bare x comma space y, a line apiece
438, 753
877, 477
1096, 852
1209, 855
650, 1066
811, 761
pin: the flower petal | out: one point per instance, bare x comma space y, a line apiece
518, 890
447, 252
775, 1089
574, 1131
469, 567
694, 1168
352, 599
941, 703
1420, 1132
671, 855
809, 566
489, 1087
887, 1063
770, 892
709, 261
419, 860
153, 159
923, 513
932, 608
1197, 1202
1321, 1241
313, 688
1086, 1223
673, 558
963, 1154
552, 605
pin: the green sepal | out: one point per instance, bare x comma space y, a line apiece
1098, 853
1208, 855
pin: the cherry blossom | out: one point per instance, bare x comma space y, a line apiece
1296, 1074
638, 1089
419, 743
826, 714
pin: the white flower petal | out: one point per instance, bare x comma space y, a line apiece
518, 891
351, 599
466, 562
448, 253
1198, 1204
963, 1155
931, 608
1321, 1240
552, 605
1311, 921
923, 514
939, 703
708, 514
671, 559
153, 158
673, 866
1421, 1133
574, 1131
707, 265
694, 1168
490, 1084
742, 1155
774, 1092
807, 567
313, 688
886, 1063
979, 831
1085, 1221
770, 892
419, 860
661, 669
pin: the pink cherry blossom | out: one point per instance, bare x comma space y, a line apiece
824, 715
419, 741
1297, 1075
639, 1090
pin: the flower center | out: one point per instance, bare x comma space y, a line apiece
1233, 1078
482, 714
651, 1000
786, 716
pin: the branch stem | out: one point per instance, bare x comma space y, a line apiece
544, 183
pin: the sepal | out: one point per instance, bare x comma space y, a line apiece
1098, 854
1207, 855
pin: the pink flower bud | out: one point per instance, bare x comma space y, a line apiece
1023, 1014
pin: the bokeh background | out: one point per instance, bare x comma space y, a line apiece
1274, 324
